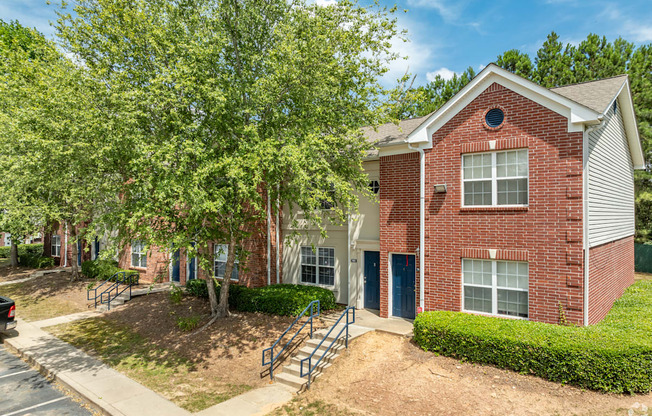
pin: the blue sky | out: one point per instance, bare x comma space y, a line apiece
448, 36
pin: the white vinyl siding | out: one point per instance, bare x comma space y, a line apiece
611, 182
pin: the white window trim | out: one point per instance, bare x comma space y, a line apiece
334, 267
140, 255
494, 179
55, 243
226, 251
494, 290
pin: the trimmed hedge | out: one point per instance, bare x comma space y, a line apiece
101, 269
32, 250
612, 356
283, 299
36, 262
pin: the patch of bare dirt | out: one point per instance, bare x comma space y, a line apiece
8, 273
384, 374
230, 349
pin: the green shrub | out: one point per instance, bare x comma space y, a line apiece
284, 299
197, 287
176, 294
5, 252
612, 356
31, 250
189, 323
100, 269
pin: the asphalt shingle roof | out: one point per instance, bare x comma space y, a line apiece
596, 95
389, 133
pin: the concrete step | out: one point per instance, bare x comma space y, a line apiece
294, 381
313, 343
328, 358
295, 369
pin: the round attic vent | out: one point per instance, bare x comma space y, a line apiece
494, 117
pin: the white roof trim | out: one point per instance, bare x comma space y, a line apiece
626, 105
577, 114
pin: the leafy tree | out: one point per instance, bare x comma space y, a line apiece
517, 62
54, 142
553, 63
228, 103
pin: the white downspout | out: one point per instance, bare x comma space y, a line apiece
348, 257
65, 245
269, 238
585, 216
278, 235
422, 223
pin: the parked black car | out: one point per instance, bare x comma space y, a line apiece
7, 314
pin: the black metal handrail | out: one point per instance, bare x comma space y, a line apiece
128, 279
273, 357
311, 367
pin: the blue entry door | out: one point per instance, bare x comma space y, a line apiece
192, 267
176, 266
97, 248
403, 275
372, 279
79, 249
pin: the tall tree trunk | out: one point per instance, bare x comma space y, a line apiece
14, 253
212, 295
223, 306
74, 274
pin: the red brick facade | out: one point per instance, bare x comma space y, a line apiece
547, 233
611, 272
65, 251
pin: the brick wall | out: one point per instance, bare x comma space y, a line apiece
399, 214
611, 271
547, 233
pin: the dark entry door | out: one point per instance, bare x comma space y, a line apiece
97, 248
192, 267
79, 252
403, 296
176, 269
372, 279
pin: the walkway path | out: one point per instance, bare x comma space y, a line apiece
115, 394
39, 273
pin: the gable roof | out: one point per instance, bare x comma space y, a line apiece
391, 133
596, 95
582, 105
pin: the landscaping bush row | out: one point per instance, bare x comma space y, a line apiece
612, 356
101, 269
283, 299
31, 250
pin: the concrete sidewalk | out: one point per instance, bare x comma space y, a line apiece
111, 392
39, 273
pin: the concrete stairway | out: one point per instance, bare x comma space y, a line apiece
291, 373
124, 297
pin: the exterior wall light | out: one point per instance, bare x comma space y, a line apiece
440, 188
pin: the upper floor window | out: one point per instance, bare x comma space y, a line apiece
56, 245
374, 186
318, 267
138, 254
495, 178
221, 251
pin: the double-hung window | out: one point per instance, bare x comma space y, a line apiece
496, 287
496, 178
56, 245
138, 254
318, 267
221, 251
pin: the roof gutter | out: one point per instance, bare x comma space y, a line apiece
422, 223
585, 212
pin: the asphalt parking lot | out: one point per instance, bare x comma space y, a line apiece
24, 391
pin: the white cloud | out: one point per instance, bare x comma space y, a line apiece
442, 72
639, 32
447, 10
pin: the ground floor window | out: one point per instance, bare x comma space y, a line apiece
221, 251
496, 287
138, 254
56, 245
318, 267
